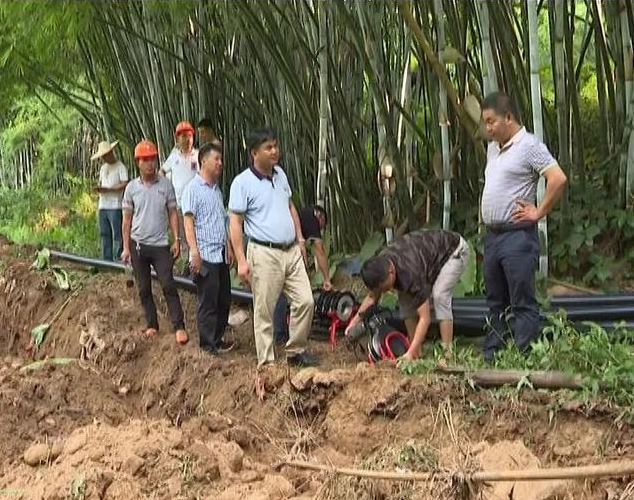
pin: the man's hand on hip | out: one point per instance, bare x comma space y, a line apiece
525, 212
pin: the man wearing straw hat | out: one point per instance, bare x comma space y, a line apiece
113, 177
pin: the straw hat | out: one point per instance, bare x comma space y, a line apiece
104, 148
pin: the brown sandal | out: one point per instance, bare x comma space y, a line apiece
181, 337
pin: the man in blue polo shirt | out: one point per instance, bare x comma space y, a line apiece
260, 204
205, 231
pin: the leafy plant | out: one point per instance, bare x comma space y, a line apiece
78, 488
38, 333
42, 259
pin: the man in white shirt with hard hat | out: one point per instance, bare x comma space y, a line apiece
181, 167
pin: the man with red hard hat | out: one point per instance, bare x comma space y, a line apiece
181, 167
149, 208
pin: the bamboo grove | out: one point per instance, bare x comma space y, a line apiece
354, 88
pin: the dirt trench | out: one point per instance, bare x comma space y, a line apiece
130, 417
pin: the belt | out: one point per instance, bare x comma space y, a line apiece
505, 227
270, 244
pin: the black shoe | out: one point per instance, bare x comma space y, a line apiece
224, 346
209, 350
302, 359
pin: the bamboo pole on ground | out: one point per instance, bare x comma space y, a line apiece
611, 469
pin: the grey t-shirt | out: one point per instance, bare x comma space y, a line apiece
511, 174
150, 204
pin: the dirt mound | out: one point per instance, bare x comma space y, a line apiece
127, 417
142, 459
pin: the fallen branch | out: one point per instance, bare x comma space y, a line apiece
538, 379
613, 469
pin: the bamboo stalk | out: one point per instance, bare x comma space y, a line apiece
628, 65
538, 127
322, 163
489, 79
612, 469
443, 117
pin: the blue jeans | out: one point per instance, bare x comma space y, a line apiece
110, 221
279, 319
510, 262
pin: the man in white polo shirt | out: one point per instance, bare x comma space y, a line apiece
113, 177
515, 161
181, 167
260, 199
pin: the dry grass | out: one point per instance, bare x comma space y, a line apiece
412, 456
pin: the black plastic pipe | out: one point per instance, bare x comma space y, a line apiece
471, 311
237, 294
561, 301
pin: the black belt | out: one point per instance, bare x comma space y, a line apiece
270, 244
505, 227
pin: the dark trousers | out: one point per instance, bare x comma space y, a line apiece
214, 299
160, 258
110, 232
279, 319
510, 262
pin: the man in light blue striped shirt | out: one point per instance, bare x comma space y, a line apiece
209, 254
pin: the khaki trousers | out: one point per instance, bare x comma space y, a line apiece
274, 271
441, 294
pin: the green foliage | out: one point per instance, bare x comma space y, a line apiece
28, 216
594, 241
604, 359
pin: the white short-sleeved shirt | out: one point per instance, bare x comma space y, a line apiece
182, 170
110, 176
511, 174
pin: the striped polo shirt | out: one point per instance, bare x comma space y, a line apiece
204, 202
511, 174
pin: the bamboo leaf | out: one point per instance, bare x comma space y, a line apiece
42, 259
36, 365
38, 334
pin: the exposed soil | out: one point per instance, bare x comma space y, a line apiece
134, 418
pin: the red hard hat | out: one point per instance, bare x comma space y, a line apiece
183, 127
145, 150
